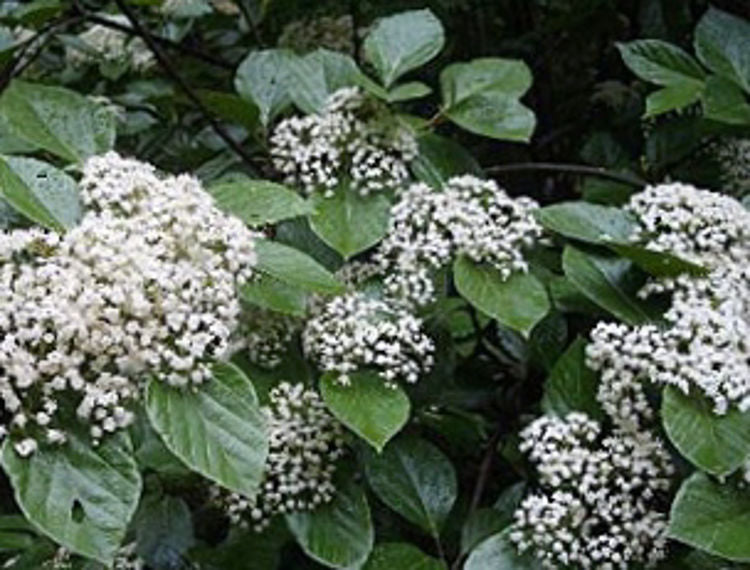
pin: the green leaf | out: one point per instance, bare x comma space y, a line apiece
661, 62
294, 267
164, 530
416, 480
482, 96
571, 385
518, 302
408, 91
587, 222
258, 202
263, 79
218, 429
604, 280
275, 295
397, 555
723, 101
57, 120
348, 222
498, 553
480, 525
721, 43
674, 97
712, 517
244, 549
230, 107
81, 496
40, 192
441, 158
656, 263
338, 534
368, 407
717, 444
400, 43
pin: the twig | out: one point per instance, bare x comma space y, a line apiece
251, 23
166, 65
166, 42
571, 168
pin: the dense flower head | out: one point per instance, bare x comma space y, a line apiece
355, 331
597, 502
144, 286
699, 225
733, 155
125, 559
352, 141
703, 346
266, 335
470, 217
305, 442
104, 44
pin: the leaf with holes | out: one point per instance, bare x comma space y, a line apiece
217, 430
81, 496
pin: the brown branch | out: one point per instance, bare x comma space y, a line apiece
599, 171
167, 66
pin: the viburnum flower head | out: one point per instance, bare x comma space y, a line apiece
305, 442
705, 227
355, 332
468, 216
145, 286
597, 505
352, 142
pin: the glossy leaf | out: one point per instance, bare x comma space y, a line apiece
275, 295
81, 496
712, 517
498, 553
368, 407
416, 480
718, 444
263, 79
393, 555
397, 44
721, 43
338, 534
441, 158
57, 120
40, 192
294, 267
218, 430
571, 385
588, 222
661, 62
518, 302
348, 222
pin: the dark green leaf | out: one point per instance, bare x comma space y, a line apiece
348, 222
368, 407
657, 263
263, 79
441, 158
712, 517
480, 525
58, 120
407, 91
518, 302
723, 101
218, 430
164, 530
661, 63
416, 480
40, 192
230, 107
294, 267
81, 496
400, 555
498, 553
400, 43
571, 385
271, 293
604, 280
338, 534
258, 202
716, 444
587, 222
721, 43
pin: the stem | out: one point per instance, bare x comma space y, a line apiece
572, 168
251, 23
439, 546
167, 66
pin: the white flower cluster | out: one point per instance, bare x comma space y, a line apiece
335, 34
305, 442
733, 155
266, 336
125, 559
352, 141
597, 506
102, 44
144, 286
698, 225
355, 331
470, 217
704, 345
703, 342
